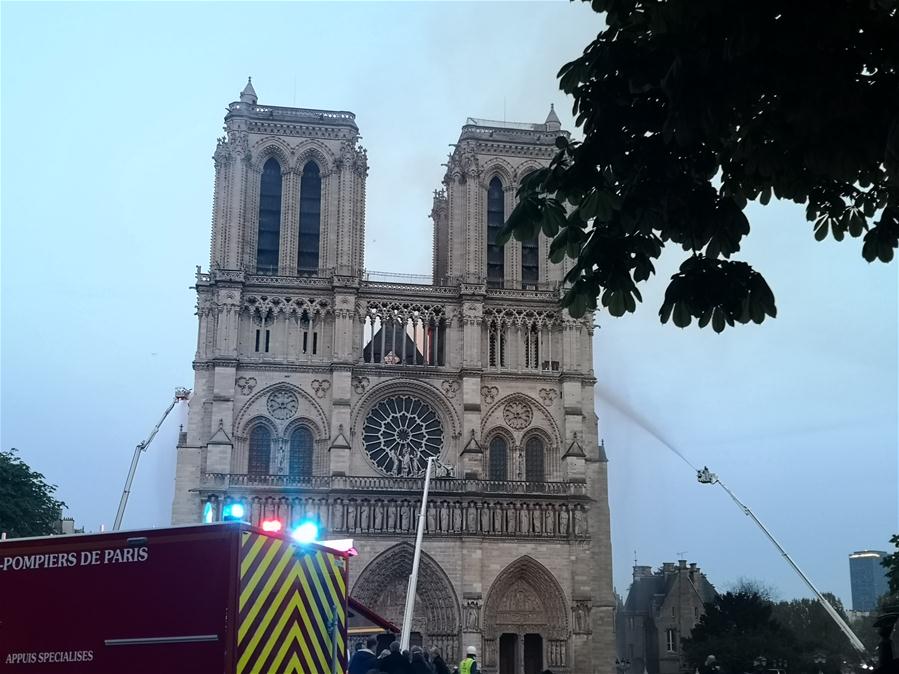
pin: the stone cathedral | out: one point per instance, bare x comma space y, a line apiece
321, 392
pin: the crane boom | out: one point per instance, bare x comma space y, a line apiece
180, 394
707, 477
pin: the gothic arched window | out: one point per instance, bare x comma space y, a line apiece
498, 459
533, 460
260, 451
310, 219
269, 236
301, 452
530, 262
495, 219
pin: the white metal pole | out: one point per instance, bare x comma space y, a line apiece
413, 578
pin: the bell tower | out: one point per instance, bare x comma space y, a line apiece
482, 178
289, 191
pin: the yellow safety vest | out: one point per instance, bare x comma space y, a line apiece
465, 666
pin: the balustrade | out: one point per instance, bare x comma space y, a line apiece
393, 484
355, 514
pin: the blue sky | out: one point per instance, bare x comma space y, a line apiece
109, 119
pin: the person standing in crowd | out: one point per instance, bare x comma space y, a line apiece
364, 658
419, 665
396, 662
437, 662
469, 665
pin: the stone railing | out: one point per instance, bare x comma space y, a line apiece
371, 514
381, 484
305, 114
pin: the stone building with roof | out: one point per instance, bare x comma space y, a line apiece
661, 608
320, 392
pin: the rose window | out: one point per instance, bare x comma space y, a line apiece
517, 415
400, 434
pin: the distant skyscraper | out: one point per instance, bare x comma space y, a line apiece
868, 579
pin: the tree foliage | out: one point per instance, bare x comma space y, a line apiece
690, 109
891, 564
27, 504
815, 632
737, 628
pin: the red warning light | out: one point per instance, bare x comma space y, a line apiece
273, 526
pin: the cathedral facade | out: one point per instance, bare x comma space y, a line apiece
319, 392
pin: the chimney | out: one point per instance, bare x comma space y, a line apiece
642, 572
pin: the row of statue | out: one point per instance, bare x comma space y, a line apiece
393, 515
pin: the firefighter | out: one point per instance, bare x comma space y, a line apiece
469, 665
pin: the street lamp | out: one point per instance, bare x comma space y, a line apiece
760, 663
622, 665
819, 659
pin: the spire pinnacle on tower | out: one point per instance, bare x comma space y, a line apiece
552, 120
248, 95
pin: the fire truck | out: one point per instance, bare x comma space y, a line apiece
226, 598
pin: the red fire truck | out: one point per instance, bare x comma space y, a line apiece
225, 598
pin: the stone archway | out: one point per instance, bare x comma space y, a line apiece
382, 586
525, 624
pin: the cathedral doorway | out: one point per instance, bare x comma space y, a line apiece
525, 621
533, 654
383, 585
508, 654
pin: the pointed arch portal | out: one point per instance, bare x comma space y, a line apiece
525, 621
382, 586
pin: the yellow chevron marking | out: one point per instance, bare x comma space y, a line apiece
251, 554
269, 614
261, 600
338, 572
335, 597
294, 665
294, 607
322, 563
295, 634
326, 598
310, 592
274, 549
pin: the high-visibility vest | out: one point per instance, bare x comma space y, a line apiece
465, 666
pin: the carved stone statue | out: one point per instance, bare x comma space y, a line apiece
351, 515
364, 516
511, 517
580, 521
337, 516
391, 516
471, 513
471, 616
563, 521
549, 519
444, 516
378, 524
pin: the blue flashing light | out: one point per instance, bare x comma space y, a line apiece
233, 512
306, 532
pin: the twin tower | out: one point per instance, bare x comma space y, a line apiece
321, 393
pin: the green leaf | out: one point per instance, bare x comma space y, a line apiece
682, 317
718, 319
